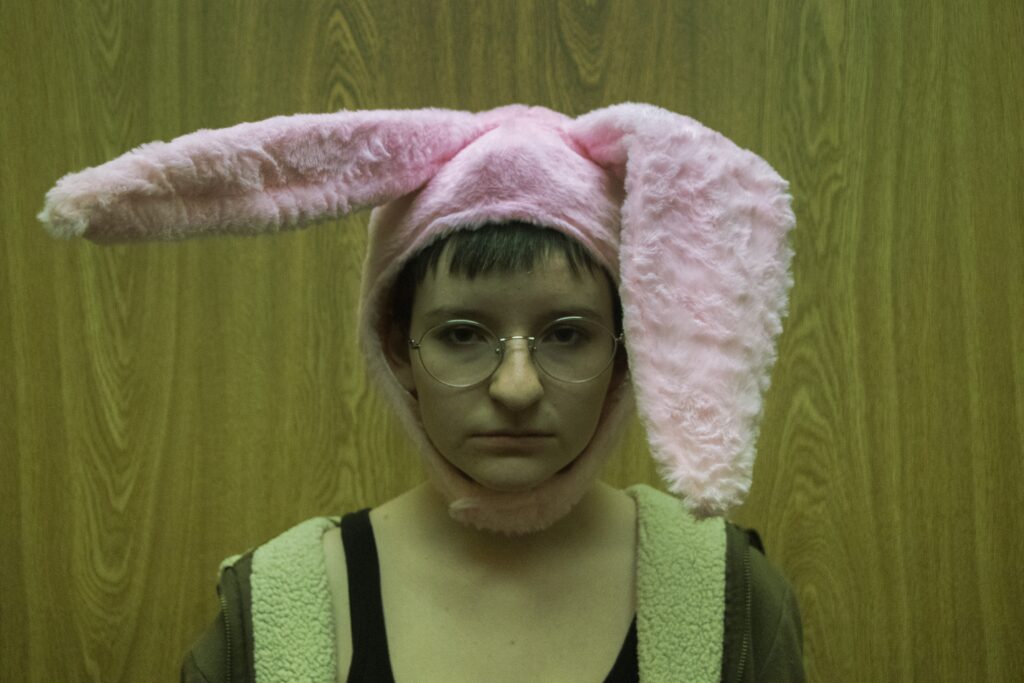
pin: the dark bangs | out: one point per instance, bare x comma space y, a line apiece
510, 247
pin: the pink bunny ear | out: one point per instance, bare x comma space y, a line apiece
705, 277
277, 174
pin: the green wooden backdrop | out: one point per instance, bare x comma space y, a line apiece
163, 406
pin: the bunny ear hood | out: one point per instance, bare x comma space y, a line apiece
691, 228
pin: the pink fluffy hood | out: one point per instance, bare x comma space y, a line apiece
692, 228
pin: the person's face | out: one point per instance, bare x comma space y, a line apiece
518, 396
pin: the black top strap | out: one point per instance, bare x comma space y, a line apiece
370, 658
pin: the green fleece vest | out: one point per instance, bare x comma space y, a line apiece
680, 597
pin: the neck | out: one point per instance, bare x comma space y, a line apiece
600, 512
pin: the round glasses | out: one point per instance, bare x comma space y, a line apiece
461, 353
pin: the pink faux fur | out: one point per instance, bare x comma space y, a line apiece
692, 228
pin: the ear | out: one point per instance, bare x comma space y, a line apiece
281, 173
397, 353
701, 321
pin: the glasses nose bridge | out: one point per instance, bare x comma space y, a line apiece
531, 345
531, 341
503, 346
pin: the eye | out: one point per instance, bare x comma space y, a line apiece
565, 335
461, 335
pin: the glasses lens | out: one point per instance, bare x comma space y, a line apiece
459, 353
575, 349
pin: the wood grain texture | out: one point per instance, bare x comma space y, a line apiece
164, 406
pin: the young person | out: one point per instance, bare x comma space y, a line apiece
510, 311
465, 604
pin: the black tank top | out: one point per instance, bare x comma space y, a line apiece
370, 658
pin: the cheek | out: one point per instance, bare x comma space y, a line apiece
439, 409
434, 411
581, 411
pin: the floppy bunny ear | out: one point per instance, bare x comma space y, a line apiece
277, 174
704, 267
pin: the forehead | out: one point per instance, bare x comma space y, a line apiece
549, 289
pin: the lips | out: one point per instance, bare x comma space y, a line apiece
512, 442
515, 433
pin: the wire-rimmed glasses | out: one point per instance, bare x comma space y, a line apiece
461, 353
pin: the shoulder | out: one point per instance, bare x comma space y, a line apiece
765, 609
298, 547
770, 586
224, 650
336, 566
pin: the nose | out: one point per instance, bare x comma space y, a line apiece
516, 383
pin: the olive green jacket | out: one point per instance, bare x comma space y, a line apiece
275, 622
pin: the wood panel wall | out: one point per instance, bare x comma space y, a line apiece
163, 406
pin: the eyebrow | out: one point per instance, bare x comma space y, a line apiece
450, 312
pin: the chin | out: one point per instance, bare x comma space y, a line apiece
509, 484
515, 481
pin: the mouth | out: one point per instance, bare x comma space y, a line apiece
515, 434
512, 441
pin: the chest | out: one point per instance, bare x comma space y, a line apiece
567, 620
445, 624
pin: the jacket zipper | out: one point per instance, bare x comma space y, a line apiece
227, 632
746, 629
